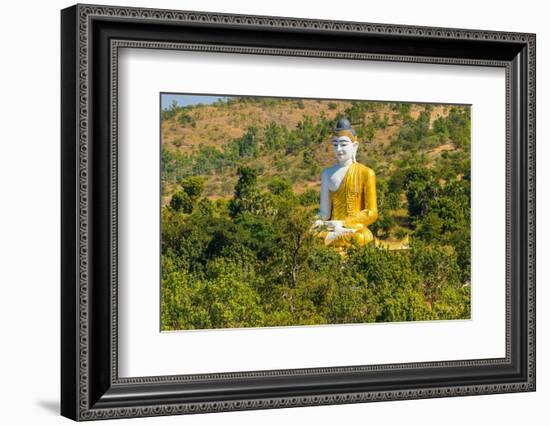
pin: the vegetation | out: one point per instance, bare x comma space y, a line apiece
237, 249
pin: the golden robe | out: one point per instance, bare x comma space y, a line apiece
354, 202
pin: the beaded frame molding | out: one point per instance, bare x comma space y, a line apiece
91, 38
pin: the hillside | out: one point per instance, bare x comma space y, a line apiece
195, 135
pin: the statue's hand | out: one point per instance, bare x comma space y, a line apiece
337, 233
318, 223
342, 230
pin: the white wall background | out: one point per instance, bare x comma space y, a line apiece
29, 212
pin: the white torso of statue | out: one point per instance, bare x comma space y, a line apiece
331, 179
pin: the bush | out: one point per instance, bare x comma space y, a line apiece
275, 136
186, 120
281, 187
309, 197
181, 202
193, 186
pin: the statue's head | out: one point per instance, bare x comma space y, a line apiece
344, 141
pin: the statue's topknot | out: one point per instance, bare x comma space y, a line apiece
343, 128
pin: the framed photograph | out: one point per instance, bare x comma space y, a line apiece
263, 212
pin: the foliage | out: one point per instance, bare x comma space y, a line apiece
192, 186
171, 111
181, 202
419, 134
174, 165
248, 199
280, 186
186, 120
209, 160
256, 263
247, 145
275, 136
456, 126
310, 197
250, 259
308, 133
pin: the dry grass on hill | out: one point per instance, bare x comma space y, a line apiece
217, 125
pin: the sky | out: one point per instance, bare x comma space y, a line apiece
186, 100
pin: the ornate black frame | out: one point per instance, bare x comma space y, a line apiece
91, 37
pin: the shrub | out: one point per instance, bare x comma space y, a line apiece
181, 202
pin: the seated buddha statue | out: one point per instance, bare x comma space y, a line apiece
348, 194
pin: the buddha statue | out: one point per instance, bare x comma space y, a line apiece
348, 195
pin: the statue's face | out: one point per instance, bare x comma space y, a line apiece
344, 149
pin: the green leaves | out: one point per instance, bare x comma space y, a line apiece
184, 200
181, 202
255, 270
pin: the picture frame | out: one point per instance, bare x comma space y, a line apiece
90, 384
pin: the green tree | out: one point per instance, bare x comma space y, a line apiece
421, 188
430, 227
229, 296
281, 187
181, 202
247, 145
182, 304
209, 160
248, 198
310, 197
437, 266
247, 183
294, 240
275, 136
395, 287
193, 186
186, 120
170, 112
